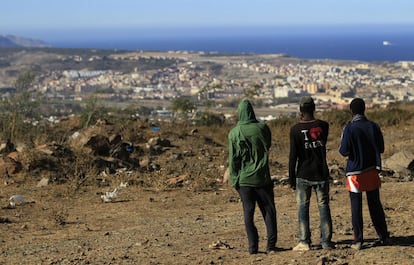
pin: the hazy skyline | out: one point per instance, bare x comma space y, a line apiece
41, 15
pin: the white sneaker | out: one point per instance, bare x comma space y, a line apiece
302, 247
356, 245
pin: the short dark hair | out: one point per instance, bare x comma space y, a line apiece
357, 106
306, 104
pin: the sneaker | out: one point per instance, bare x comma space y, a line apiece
273, 250
383, 242
356, 245
328, 246
302, 247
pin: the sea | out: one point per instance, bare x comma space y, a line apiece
377, 43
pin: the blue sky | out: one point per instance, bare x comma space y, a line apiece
35, 17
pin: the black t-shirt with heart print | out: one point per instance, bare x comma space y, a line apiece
307, 158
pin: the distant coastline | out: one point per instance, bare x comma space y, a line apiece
360, 48
362, 43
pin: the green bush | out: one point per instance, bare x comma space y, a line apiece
209, 118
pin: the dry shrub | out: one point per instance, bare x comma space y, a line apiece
279, 151
155, 180
83, 170
391, 116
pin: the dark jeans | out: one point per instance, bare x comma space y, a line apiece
303, 194
264, 196
375, 211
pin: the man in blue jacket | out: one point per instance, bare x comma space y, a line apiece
362, 142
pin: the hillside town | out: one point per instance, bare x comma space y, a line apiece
271, 79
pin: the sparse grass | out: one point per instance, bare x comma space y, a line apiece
391, 116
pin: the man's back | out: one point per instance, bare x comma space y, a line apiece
249, 144
308, 146
362, 141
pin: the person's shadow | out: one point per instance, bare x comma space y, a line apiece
407, 241
404, 241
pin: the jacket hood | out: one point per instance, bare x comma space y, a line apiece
246, 112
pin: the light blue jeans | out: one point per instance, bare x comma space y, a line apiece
303, 194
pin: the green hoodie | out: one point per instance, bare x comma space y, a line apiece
249, 144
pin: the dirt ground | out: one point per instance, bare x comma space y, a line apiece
177, 227
64, 223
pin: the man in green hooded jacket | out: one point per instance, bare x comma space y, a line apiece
249, 143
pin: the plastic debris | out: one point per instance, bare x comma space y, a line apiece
220, 245
110, 196
16, 199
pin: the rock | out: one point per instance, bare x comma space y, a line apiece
99, 145
159, 141
43, 182
144, 163
115, 139
226, 176
9, 166
7, 147
178, 180
399, 162
5, 220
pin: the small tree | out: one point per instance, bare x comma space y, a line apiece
90, 112
182, 105
18, 109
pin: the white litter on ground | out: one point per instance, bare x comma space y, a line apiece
110, 196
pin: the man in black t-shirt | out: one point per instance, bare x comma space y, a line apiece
309, 171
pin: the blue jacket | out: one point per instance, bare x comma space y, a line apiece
362, 142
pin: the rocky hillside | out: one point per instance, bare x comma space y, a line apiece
164, 155
143, 192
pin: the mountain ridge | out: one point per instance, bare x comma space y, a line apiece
11, 41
